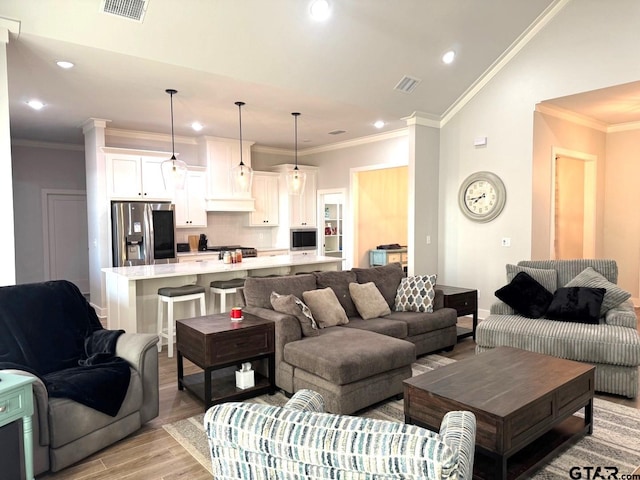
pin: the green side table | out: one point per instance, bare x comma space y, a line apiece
16, 401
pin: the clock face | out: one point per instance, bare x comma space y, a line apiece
482, 196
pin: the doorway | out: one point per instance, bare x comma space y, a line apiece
334, 229
65, 238
573, 205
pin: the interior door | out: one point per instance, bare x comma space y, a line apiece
574, 208
66, 248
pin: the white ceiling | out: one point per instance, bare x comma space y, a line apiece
340, 74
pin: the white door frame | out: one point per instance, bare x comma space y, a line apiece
45, 222
347, 250
590, 193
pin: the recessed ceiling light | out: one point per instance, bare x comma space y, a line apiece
35, 104
449, 57
379, 124
65, 64
197, 126
320, 10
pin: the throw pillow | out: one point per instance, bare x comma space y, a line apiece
325, 307
526, 296
386, 277
613, 296
576, 304
292, 305
339, 282
416, 294
369, 301
548, 278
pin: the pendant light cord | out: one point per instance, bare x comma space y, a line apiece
171, 92
295, 117
240, 104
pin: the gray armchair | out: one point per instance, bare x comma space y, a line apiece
55, 318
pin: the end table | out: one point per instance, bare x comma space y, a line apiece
217, 345
465, 302
16, 401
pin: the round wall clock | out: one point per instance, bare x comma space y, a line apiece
482, 196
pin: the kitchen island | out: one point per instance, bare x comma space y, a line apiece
132, 292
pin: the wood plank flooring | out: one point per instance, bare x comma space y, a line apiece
151, 453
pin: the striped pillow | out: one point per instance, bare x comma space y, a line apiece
613, 296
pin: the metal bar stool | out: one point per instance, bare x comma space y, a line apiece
223, 288
171, 295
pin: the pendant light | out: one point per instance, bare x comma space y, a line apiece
296, 178
241, 174
174, 171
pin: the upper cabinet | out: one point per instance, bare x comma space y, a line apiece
265, 193
300, 210
133, 176
303, 207
190, 202
220, 156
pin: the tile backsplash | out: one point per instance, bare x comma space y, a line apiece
231, 228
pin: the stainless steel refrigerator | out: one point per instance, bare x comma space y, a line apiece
143, 233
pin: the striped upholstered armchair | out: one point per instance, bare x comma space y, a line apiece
299, 441
612, 344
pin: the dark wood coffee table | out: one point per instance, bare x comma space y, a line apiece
524, 404
217, 345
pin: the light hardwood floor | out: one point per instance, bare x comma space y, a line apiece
151, 453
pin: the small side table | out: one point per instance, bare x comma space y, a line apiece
465, 302
16, 401
217, 345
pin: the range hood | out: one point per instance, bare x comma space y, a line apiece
221, 155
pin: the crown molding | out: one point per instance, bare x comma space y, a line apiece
623, 127
49, 145
378, 137
158, 137
502, 61
422, 119
573, 117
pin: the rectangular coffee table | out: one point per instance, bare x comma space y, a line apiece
524, 404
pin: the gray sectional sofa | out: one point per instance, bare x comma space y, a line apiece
612, 344
359, 363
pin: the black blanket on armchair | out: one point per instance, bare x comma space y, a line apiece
50, 329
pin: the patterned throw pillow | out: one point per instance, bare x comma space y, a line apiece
292, 305
416, 294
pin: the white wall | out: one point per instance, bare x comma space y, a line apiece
35, 169
590, 44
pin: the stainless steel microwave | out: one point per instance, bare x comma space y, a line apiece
303, 239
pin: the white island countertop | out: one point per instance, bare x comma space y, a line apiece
142, 272
132, 292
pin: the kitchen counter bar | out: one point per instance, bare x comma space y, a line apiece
132, 292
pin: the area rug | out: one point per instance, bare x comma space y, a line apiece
615, 442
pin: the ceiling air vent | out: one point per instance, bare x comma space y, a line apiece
407, 84
337, 132
129, 9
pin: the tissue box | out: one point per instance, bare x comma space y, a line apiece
245, 379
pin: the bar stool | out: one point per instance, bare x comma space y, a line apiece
223, 288
171, 295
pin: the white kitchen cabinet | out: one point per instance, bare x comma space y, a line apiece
265, 192
303, 207
221, 155
190, 202
131, 176
299, 210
